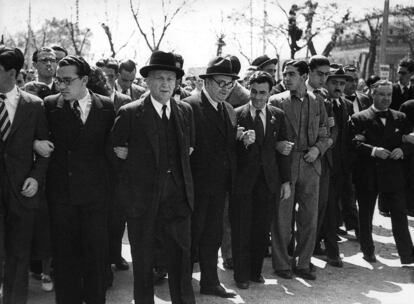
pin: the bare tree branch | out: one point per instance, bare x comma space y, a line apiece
135, 15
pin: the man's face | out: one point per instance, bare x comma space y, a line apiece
125, 79
382, 97
6, 79
75, 86
46, 64
161, 84
199, 83
335, 87
110, 76
317, 77
270, 68
351, 84
219, 87
259, 94
292, 79
404, 75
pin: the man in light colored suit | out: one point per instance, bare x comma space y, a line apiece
307, 129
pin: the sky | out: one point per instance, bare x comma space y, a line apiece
193, 33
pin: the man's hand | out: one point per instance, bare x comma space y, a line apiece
249, 137
382, 153
191, 150
240, 131
409, 138
30, 187
397, 153
285, 191
121, 152
284, 147
43, 147
312, 155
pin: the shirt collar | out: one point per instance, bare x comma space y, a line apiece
158, 106
309, 87
213, 103
402, 86
253, 109
84, 102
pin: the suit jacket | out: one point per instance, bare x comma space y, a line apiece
408, 109
29, 123
136, 128
317, 127
276, 167
40, 89
398, 98
120, 100
374, 173
238, 96
135, 91
78, 173
207, 158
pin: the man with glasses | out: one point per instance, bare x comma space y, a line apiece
44, 60
213, 165
77, 184
403, 90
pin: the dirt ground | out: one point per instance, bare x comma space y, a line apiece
358, 282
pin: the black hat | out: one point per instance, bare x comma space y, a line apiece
338, 73
161, 61
219, 66
262, 61
235, 64
11, 58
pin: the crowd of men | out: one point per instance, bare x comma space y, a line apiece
192, 166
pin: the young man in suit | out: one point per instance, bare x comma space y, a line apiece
213, 164
307, 128
403, 90
22, 121
262, 179
77, 184
156, 134
44, 60
359, 100
125, 80
378, 134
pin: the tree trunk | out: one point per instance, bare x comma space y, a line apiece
372, 56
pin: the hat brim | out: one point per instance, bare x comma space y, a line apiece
204, 76
346, 77
146, 69
270, 61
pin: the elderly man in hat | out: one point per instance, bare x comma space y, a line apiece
213, 165
156, 186
22, 176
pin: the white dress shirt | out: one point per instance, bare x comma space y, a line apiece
158, 107
213, 103
12, 99
85, 105
262, 114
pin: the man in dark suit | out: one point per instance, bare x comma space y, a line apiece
22, 120
155, 181
338, 159
307, 128
359, 100
263, 177
378, 137
77, 185
44, 60
213, 164
125, 80
403, 90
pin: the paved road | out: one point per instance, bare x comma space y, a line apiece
358, 282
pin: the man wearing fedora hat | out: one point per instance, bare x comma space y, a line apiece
156, 187
266, 64
338, 161
213, 166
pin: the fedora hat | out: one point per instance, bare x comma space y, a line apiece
161, 61
338, 72
262, 61
219, 66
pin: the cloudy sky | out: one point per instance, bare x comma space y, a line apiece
193, 33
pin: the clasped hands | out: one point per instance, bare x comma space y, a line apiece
248, 137
383, 153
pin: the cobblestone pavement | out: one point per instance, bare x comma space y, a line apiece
358, 282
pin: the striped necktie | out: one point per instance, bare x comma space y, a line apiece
5, 123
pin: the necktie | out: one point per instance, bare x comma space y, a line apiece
258, 128
76, 110
382, 114
164, 115
220, 110
4, 119
350, 97
124, 91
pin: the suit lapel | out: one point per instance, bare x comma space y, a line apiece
21, 112
150, 126
246, 118
211, 114
312, 112
178, 120
268, 130
291, 114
